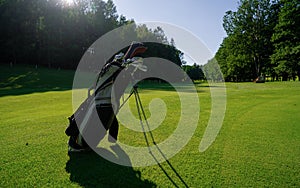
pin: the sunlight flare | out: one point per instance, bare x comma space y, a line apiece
68, 2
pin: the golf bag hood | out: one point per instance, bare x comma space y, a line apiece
105, 93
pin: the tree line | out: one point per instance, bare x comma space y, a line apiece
263, 39
56, 33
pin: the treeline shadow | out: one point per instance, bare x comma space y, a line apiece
26, 79
163, 86
91, 170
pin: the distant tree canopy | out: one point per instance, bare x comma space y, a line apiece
194, 71
262, 39
212, 71
286, 40
56, 34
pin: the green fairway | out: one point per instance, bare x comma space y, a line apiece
258, 145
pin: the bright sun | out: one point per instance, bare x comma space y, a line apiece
69, 2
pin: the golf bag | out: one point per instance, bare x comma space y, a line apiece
104, 102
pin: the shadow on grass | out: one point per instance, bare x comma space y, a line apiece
91, 170
183, 87
26, 79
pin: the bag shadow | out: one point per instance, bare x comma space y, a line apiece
91, 170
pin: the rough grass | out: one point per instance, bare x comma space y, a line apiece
258, 145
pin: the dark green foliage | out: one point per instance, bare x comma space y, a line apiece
164, 51
56, 34
194, 72
49, 32
212, 71
286, 39
263, 39
244, 53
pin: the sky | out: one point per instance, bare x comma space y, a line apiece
203, 18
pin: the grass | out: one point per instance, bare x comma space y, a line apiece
27, 79
258, 145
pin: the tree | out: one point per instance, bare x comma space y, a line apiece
56, 34
234, 59
286, 39
245, 52
194, 72
52, 33
212, 71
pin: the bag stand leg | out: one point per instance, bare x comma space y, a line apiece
142, 115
